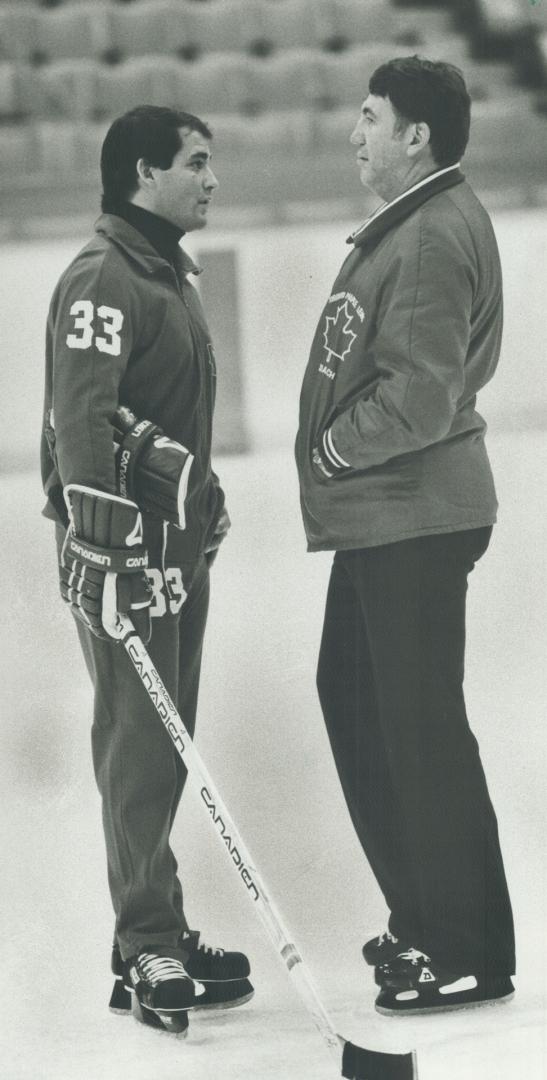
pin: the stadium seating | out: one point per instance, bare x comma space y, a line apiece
215, 83
286, 80
72, 30
141, 79
18, 31
212, 26
287, 24
279, 79
137, 29
342, 78
10, 101
66, 90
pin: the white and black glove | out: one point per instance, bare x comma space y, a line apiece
151, 469
103, 563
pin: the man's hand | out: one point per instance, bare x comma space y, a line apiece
222, 526
103, 563
320, 464
151, 469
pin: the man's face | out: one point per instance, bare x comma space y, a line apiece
382, 155
183, 192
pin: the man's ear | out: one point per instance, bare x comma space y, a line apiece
421, 137
145, 173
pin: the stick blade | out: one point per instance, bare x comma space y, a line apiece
360, 1064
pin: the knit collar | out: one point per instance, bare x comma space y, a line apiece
140, 248
163, 236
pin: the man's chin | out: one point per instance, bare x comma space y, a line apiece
367, 180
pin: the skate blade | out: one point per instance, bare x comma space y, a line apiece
428, 1010
120, 998
221, 1005
173, 1023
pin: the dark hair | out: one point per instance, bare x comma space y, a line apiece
148, 131
430, 92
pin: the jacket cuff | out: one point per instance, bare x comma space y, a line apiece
327, 458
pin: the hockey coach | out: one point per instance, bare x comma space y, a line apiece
395, 478
126, 466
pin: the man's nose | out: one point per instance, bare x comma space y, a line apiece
357, 137
210, 181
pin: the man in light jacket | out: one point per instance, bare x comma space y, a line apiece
395, 478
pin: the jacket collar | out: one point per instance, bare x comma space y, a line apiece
138, 248
400, 208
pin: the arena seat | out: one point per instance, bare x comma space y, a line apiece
236, 134
10, 99
286, 80
56, 150
212, 26
495, 126
288, 24
216, 82
18, 31
65, 90
89, 139
139, 28
359, 22
139, 80
17, 151
495, 26
72, 30
342, 78
332, 129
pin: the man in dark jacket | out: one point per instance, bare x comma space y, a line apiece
394, 476
126, 466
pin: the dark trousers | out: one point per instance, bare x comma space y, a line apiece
390, 682
139, 773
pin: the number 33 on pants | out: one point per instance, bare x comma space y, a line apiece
160, 602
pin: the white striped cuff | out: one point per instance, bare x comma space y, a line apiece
331, 453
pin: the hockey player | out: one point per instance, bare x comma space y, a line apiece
395, 478
139, 512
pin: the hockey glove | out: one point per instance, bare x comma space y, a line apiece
151, 469
103, 562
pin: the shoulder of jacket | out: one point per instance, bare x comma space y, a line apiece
102, 261
450, 219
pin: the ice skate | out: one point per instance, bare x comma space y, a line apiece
382, 949
162, 988
413, 984
222, 974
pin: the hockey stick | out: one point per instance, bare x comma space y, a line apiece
357, 1062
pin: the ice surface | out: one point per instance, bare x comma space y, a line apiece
260, 733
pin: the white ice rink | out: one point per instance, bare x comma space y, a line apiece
261, 734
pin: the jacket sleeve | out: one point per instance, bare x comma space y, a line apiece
90, 332
420, 348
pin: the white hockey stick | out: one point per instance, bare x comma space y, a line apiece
357, 1062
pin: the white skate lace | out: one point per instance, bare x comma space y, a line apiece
387, 936
209, 948
415, 956
156, 969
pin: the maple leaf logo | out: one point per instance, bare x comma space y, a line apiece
338, 330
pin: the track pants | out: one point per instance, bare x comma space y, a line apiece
139, 773
390, 681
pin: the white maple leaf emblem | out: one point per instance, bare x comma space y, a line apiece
337, 326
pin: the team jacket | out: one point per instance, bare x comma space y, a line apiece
410, 333
125, 327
